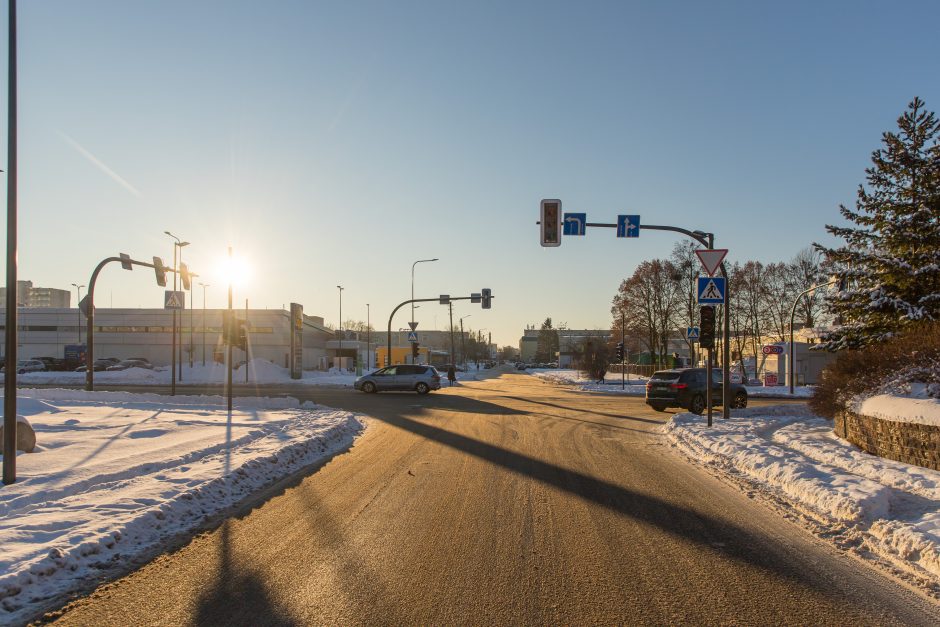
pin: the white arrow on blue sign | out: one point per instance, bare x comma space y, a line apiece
628, 226
691, 333
575, 223
711, 290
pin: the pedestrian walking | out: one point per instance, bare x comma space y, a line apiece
451, 374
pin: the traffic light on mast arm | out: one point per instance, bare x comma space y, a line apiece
486, 298
550, 222
185, 276
160, 270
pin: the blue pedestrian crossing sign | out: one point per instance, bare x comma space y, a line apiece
628, 226
412, 337
174, 299
711, 290
575, 223
692, 333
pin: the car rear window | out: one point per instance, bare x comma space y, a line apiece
665, 376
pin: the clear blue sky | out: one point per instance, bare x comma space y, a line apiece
336, 143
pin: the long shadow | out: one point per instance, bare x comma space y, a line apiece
584, 411
117, 436
693, 526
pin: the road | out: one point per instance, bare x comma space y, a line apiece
504, 501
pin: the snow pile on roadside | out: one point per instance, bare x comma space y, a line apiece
779, 391
915, 407
892, 508
115, 476
260, 371
634, 386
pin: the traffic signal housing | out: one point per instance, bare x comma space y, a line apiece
550, 222
185, 276
414, 352
706, 338
486, 298
160, 270
620, 351
234, 331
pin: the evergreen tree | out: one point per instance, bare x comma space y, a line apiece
547, 344
890, 262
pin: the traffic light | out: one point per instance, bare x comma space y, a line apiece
414, 352
620, 351
241, 335
234, 331
185, 276
486, 298
706, 338
550, 222
160, 271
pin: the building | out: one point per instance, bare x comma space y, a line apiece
571, 342
40, 297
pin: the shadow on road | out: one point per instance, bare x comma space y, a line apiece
584, 411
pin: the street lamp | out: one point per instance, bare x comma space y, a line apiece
368, 339
177, 246
79, 289
339, 351
413, 283
204, 286
792, 317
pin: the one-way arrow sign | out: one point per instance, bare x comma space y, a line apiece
711, 259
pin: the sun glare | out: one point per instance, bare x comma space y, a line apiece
234, 270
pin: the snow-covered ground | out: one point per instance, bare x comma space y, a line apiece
115, 476
870, 505
636, 386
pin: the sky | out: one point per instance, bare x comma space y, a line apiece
335, 143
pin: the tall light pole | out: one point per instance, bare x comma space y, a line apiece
339, 351
463, 344
413, 283
177, 246
792, 317
9, 373
368, 339
204, 286
79, 289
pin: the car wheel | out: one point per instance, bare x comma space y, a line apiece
422, 388
740, 400
368, 387
658, 407
697, 406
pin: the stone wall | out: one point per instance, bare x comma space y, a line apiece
906, 442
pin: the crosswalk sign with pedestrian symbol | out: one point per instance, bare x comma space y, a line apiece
174, 300
711, 290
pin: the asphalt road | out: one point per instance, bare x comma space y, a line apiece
506, 501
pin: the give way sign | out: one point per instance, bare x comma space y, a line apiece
711, 259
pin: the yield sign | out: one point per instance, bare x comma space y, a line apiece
413, 325
711, 259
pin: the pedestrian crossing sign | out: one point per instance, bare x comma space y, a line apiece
174, 300
711, 290
692, 333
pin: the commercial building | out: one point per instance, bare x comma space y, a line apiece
29, 296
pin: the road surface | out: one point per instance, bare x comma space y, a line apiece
504, 501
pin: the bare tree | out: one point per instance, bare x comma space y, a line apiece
650, 301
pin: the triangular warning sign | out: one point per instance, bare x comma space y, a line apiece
711, 259
711, 292
413, 325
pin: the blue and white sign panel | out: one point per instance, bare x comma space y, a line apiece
628, 226
575, 223
692, 333
412, 337
174, 299
711, 290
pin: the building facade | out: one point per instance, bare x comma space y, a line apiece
44, 297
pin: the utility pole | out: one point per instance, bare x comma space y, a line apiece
368, 338
623, 342
450, 306
228, 376
9, 373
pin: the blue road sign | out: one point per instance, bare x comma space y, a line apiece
174, 299
711, 290
575, 223
692, 333
628, 226
412, 337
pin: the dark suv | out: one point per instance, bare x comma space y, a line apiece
685, 388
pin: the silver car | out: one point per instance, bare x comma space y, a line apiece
421, 379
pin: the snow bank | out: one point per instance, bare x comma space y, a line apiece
634, 386
891, 507
118, 475
924, 411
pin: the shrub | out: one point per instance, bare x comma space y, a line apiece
889, 367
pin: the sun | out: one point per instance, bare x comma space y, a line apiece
234, 270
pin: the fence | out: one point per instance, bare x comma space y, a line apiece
635, 369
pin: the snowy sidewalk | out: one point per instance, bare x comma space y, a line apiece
870, 504
115, 476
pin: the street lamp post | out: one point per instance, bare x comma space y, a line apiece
177, 246
79, 290
339, 351
204, 286
792, 316
368, 339
413, 283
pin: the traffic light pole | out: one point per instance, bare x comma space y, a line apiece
388, 355
90, 314
623, 351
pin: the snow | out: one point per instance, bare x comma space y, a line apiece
116, 476
885, 508
897, 408
636, 385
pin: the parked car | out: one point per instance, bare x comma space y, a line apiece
100, 364
52, 363
686, 388
421, 379
130, 363
27, 365
520, 366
